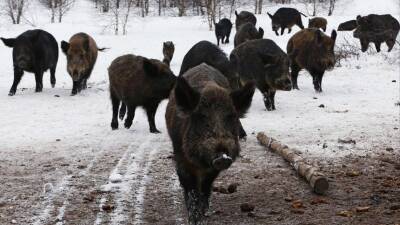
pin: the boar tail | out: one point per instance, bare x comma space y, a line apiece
102, 49
303, 14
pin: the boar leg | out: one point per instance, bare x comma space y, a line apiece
269, 100
317, 80
276, 32
115, 106
290, 30
131, 115
75, 88
282, 30
17, 78
242, 132
122, 111
151, 113
294, 74
39, 81
378, 46
364, 45
193, 198
53, 77
390, 43
84, 83
227, 37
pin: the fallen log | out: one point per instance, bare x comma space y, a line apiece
318, 182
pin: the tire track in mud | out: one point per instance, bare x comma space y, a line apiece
163, 200
127, 184
65, 198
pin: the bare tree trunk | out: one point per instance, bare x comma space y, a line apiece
260, 4
314, 7
232, 8
125, 22
331, 7
181, 8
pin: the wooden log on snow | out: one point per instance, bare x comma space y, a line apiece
318, 182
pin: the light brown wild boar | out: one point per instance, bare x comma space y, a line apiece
318, 22
81, 52
312, 50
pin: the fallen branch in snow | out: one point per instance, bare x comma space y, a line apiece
318, 182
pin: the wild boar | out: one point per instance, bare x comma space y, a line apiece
223, 30
168, 52
34, 51
244, 17
203, 123
207, 52
377, 29
286, 18
137, 81
81, 52
265, 63
312, 50
318, 22
247, 32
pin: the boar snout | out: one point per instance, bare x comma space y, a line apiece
222, 162
284, 84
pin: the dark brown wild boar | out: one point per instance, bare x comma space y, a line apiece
318, 22
377, 29
81, 52
168, 52
285, 18
244, 17
247, 32
312, 50
137, 81
203, 123
265, 63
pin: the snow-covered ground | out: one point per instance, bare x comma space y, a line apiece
359, 99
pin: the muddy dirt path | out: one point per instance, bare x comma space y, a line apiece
121, 181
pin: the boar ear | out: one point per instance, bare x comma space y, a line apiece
260, 33
242, 98
186, 97
9, 42
236, 13
358, 19
333, 35
64, 46
270, 16
150, 68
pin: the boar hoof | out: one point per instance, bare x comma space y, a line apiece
223, 162
114, 125
155, 131
12, 93
128, 124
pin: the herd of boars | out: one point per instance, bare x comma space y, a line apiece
212, 91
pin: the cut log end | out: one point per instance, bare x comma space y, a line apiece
321, 185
